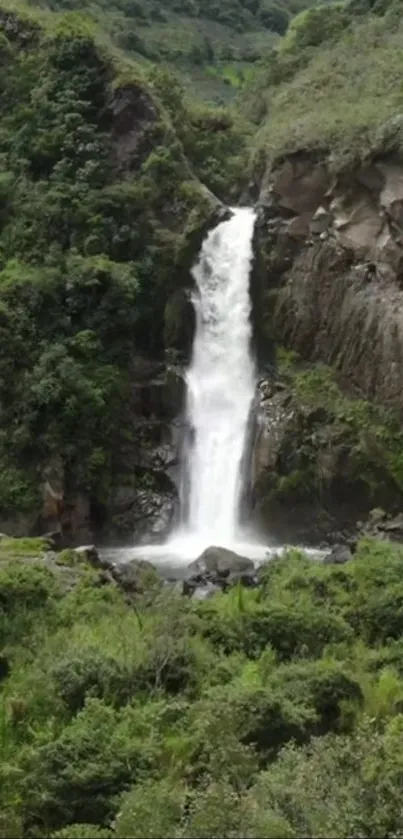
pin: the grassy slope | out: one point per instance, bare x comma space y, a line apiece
345, 95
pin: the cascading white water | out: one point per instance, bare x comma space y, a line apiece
220, 382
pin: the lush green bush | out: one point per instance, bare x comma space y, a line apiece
315, 26
339, 785
76, 774
214, 139
274, 16
253, 625
152, 809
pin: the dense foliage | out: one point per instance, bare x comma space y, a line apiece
88, 255
266, 712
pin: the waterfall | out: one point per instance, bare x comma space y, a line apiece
220, 384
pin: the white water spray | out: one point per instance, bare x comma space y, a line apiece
220, 384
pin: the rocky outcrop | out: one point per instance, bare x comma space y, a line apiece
381, 526
331, 288
333, 253
313, 474
142, 501
143, 504
133, 114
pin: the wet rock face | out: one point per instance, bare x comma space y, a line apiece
143, 504
333, 252
142, 515
179, 322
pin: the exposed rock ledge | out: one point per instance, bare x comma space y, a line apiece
333, 259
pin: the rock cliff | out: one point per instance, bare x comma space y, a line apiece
334, 258
330, 282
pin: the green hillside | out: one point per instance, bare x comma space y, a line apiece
212, 45
333, 83
97, 230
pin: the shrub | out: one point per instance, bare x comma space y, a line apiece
262, 717
274, 16
24, 586
91, 673
338, 785
324, 684
289, 632
151, 809
77, 774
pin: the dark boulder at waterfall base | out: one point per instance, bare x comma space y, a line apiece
338, 555
220, 567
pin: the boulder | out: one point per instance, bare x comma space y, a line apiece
338, 555
136, 576
89, 553
204, 592
220, 566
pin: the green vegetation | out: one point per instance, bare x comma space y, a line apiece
332, 84
96, 232
272, 711
335, 437
266, 712
198, 39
